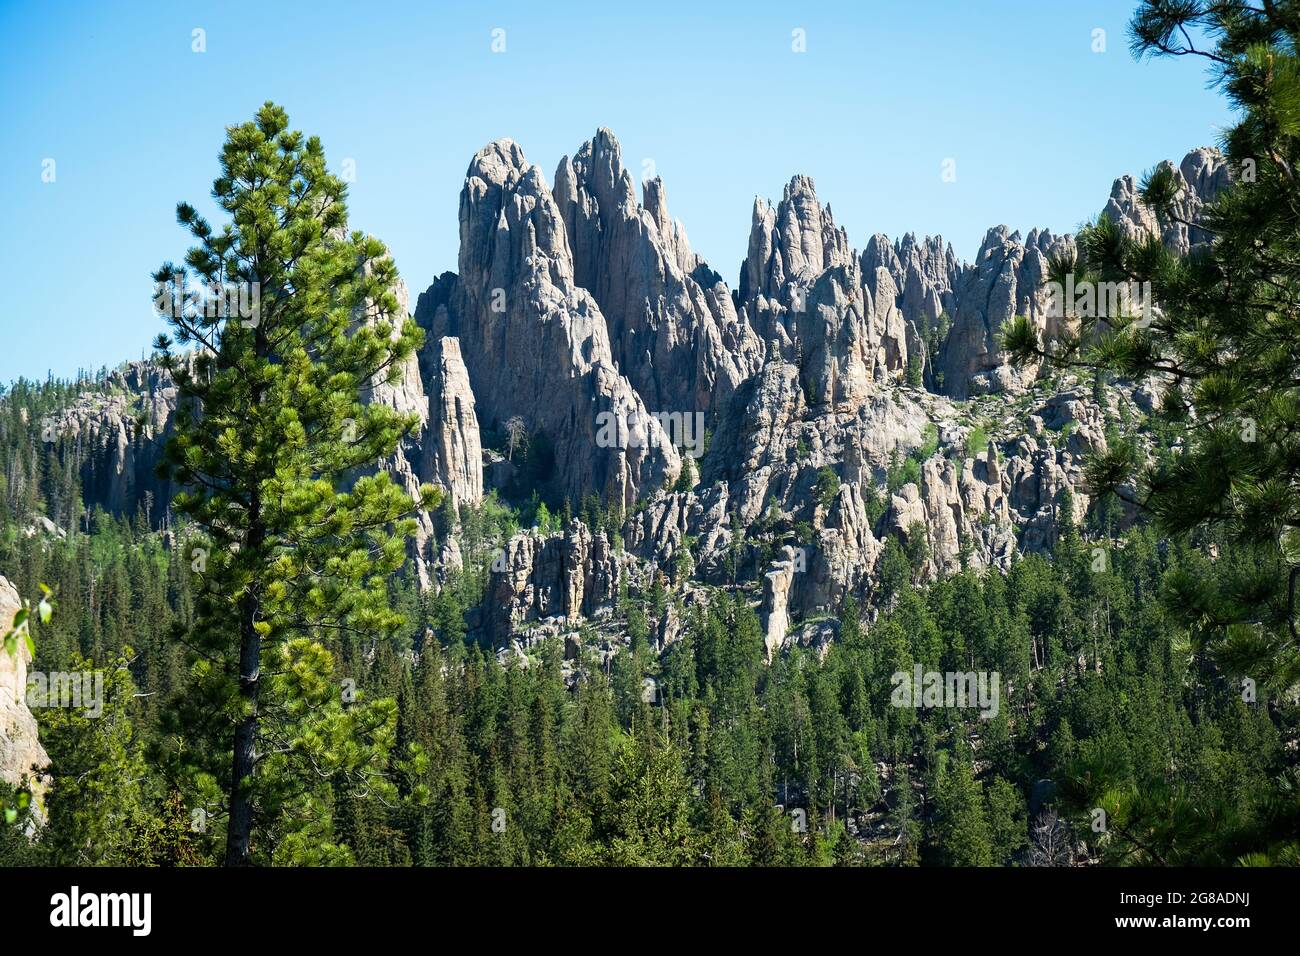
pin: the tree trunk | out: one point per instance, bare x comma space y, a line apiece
240, 827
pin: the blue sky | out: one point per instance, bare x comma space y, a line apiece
712, 94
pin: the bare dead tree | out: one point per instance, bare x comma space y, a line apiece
1050, 841
517, 432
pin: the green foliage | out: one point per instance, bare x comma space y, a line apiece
566, 761
1224, 339
915, 371
1004, 807
272, 442
874, 503
916, 547
20, 627
908, 470
98, 797
688, 476
827, 487
961, 834
929, 443
1119, 685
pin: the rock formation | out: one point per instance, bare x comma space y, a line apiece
21, 752
1005, 281
672, 327
565, 576
843, 393
1201, 176
452, 453
114, 434
535, 343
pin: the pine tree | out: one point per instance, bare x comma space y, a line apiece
447, 615
274, 435
903, 826
1008, 829
961, 831
98, 798
1223, 337
650, 813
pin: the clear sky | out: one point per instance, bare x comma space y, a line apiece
711, 93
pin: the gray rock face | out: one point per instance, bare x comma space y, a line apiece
1202, 175
115, 434
835, 348
452, 452
977, 508
1006, 280
405, 395
535, 343
792, 243
841, 332
21, 753
444, 451
804, 290
564, 576
1007, 276
776, 596
930, 272
579, 310
673, 329
443, 448
925, 275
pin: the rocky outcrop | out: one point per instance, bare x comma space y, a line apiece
582, 313
818, 305
21, 753
560, 577
404, 393
1006, 280
443, 449
114, 434
923, 277
791, 244
672, 327
536, 344
1201, 176
776, 597
973, 506
929, 273
1008, 275
452, 452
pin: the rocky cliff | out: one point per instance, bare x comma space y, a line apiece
535, 343
1006, 280
114, 434
21, 753
849, 398
673, 329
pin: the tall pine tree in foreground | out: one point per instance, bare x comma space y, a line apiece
1224, 343
1224, 338
294, 530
